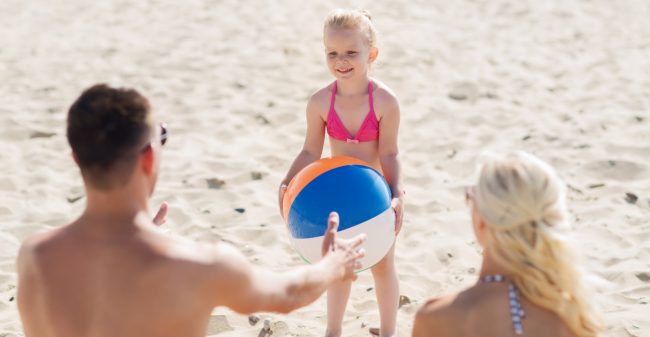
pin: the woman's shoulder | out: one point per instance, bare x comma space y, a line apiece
438, 306
459, 313
439, 315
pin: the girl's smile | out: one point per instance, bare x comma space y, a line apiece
344, 70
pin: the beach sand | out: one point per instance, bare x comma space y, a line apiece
566, 80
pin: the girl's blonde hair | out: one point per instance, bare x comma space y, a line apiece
522, 202
353, 19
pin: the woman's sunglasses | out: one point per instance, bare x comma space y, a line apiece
469, 195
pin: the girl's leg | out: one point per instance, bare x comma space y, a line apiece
387, 290
337, 300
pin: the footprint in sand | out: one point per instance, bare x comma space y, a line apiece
644, 277
619, 170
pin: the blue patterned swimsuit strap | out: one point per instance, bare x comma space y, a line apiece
516, 311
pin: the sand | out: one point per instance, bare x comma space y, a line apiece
566, 80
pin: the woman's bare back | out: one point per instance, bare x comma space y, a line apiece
484, 310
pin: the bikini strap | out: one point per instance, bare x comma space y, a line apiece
516, 311
372, 106
333, 97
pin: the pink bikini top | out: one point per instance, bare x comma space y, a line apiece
368, 131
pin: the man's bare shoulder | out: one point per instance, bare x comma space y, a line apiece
220, 259
217, 270
37, 244
32, 256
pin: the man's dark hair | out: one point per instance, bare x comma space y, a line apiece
106, 127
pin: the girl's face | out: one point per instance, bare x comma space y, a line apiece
347, 53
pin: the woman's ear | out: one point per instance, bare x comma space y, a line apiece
74, 157
479, 227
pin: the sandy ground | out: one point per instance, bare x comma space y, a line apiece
566, 80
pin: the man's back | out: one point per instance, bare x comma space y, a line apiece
131, 283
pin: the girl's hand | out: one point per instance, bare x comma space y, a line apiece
398, 206
281, 191
161, 216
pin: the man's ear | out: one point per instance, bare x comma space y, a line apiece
374, 52
147, 159
74, 157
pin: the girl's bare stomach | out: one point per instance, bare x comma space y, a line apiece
366, 151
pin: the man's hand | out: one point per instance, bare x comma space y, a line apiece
344, 254
161, 216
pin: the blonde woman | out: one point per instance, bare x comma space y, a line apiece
528, 284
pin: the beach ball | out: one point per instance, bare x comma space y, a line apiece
350, 187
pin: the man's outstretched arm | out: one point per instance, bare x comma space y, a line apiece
247, 289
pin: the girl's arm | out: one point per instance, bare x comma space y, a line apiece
312, 149
388, 155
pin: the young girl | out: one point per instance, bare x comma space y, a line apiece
361, 116
528, 283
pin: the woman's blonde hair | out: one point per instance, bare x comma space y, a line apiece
353, 19
521, 200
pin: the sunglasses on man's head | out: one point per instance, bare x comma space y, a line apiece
163, 136
163, 133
